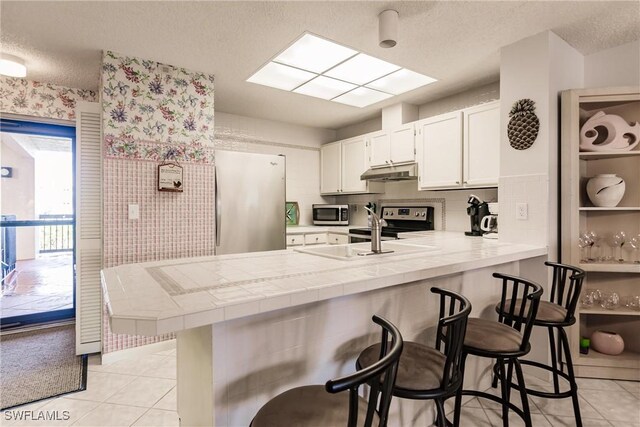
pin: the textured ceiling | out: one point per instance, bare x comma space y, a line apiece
456, 42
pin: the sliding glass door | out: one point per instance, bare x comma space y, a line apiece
37, 222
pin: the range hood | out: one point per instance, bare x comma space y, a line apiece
391, 173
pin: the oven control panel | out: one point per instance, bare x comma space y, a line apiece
405, 213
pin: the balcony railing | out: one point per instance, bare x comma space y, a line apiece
58, 236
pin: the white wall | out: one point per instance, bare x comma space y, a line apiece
618, 66
300, 144
458, 101
18, 194
360, 128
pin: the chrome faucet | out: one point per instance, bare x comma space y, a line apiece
376, 231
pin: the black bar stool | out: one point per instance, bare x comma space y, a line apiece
504, 340
425, 372
557, 313
318, 405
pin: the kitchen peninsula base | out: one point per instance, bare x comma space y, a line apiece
255, 358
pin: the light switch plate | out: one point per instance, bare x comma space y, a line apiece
522, 211
134, 211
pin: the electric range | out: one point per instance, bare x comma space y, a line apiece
400, 219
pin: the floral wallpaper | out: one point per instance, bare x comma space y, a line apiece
152, 111
31, 98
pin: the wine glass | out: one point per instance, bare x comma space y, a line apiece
618, 241
583, 243
635, 244
595, 238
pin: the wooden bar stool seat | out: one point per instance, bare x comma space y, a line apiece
324, 405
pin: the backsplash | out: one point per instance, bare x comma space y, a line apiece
149, 108
452, 204
31, 98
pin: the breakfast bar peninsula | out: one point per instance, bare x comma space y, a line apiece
252, 325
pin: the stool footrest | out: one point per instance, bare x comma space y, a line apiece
493, 398
540, 393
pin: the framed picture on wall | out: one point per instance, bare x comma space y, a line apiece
170, 177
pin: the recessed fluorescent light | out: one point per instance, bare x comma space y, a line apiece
325, 87
401, 81
280, 76
12, 66
361, 97
362, 69
314, 54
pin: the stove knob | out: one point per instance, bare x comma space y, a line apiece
386, 214
391, 213
424, 214
417, 213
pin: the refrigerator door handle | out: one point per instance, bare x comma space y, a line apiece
217, 205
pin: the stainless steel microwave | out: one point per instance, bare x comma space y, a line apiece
331, 214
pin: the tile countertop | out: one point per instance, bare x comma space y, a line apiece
307, 229
167, 296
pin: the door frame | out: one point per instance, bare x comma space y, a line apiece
32, 127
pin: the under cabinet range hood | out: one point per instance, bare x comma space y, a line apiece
391, 173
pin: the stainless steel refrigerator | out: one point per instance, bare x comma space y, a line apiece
250, 202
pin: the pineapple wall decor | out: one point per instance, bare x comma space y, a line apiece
523, 125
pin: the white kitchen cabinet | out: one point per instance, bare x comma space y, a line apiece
440, 151
315, 239
330, 168
481, 147
390, 147
342, 163
295, 239
460, 149
354, 163
337, 239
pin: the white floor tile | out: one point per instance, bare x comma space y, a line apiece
65, 412
109, 415
158, 418
101, 386
624, 424
142, 391
169, 401
564, 407
475, 417
614, 405
164, 369
515, 399
597, 384
632, 387
495, 417
130, 366
561, 421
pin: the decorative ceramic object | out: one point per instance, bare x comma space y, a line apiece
292, 213
523, 126
608, 132
605, 190
606, 342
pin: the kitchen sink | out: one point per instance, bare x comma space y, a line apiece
356, 251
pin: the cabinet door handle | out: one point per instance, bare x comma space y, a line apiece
457, 182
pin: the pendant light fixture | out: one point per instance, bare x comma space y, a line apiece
388, 28
12, 66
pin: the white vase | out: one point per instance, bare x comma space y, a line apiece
605, 190
606, 342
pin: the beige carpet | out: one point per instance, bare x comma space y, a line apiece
39, 364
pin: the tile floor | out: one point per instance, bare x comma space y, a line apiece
42, 284
141, 392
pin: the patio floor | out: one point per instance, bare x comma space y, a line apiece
42, 284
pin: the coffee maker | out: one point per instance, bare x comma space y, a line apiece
476, 210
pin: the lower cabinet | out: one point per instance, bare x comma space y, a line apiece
337, 239
316, 239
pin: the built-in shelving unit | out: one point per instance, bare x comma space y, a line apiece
578, 215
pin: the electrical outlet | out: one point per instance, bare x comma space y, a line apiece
522, 211
134, 211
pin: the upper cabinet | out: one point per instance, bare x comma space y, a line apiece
460, 149
390, 147
482, 145
342, 163
440, 151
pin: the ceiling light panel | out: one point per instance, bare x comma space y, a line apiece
361, 97
325, 87
362, 69
401, 81
280, 76
314, 54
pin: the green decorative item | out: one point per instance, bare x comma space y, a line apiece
523, 124
293, 213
